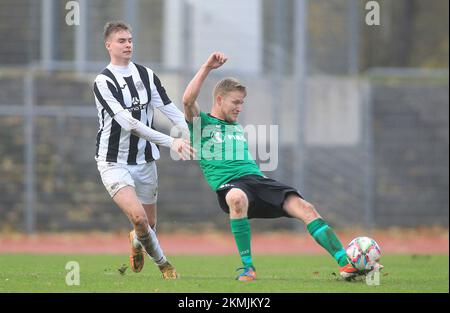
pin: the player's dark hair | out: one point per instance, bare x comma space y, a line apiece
113, 27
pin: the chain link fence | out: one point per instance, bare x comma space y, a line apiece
373, 144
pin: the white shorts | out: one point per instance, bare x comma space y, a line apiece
143, 177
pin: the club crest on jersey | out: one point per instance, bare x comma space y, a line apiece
139, 85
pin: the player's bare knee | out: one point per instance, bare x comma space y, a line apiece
236, 212
301, 209
309, 208
237, 203
236, 199
309, 212
139, 220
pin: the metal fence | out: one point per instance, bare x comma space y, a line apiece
371, 172
367, 150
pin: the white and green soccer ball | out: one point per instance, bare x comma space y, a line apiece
363, 253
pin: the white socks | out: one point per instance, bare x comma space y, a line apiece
151, 246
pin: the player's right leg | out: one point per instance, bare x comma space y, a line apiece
322, 233
237, 202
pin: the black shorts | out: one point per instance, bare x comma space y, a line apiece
265, 196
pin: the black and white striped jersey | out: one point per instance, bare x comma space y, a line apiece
134, 88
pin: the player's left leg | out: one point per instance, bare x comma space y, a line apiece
168, 270
150, 210
238, 202
322, 233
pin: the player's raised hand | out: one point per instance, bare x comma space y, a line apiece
216, 60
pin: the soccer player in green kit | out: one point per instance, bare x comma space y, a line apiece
243, 191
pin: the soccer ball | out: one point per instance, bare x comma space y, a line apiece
363, 253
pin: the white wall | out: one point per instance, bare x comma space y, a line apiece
231, 26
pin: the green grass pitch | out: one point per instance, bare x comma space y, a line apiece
200, 273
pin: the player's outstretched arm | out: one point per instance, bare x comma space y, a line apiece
109, 102
191, 108
180, 146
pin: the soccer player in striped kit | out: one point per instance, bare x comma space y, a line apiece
126, 95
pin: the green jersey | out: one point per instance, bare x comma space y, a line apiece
222, 150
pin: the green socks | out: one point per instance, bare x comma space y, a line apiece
326, 237
319, 230
241, 232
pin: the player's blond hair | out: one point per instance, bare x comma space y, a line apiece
113, 27
227, 85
